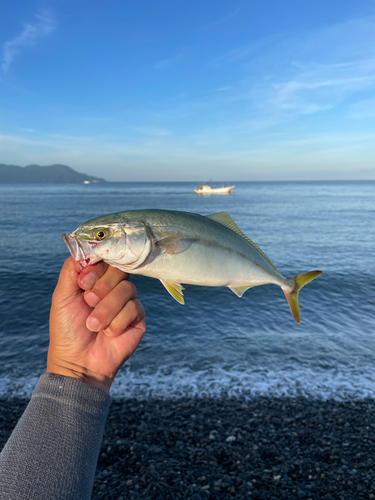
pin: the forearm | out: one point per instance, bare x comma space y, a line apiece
53, 451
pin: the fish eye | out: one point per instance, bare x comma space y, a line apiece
101, 234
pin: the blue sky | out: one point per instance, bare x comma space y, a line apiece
190, 90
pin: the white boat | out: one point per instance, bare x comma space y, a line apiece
205, 189
86, 182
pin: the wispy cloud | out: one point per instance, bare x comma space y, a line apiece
224, 89
170, 61
305, 74
70, 138
245, 53
152, 131
323, 156
218, 23
363, 110
32, 32
321, 87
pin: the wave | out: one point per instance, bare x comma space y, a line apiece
346, 383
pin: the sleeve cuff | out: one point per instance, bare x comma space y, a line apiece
72, 391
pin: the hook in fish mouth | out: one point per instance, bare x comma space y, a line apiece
76, 250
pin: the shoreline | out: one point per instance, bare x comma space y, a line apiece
206, 448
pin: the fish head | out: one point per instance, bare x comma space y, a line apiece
90, 244
115, 243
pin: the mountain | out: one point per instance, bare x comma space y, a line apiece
38, 174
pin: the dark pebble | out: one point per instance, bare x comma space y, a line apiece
284, 449
205, 495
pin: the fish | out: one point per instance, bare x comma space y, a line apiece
182, 248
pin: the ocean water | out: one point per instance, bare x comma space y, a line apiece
217, 343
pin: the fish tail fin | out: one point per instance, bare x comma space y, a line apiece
297, 282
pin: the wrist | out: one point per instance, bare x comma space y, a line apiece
70, 370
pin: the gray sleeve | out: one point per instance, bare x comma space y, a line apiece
53, 451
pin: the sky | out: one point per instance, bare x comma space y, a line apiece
173, 90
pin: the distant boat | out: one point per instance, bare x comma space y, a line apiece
86, 182
206, 189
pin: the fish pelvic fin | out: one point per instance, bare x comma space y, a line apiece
175, 289
297, 282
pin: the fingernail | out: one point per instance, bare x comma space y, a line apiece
91, 299
93, 324
88, 280
108, 332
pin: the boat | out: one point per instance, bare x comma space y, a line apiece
86, 182
206, 189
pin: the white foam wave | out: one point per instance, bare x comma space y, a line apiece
313, 383
21, 387
339, 384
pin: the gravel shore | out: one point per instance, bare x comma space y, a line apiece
202, 448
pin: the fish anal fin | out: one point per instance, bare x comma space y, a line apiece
175, 289
226, 220
239, 290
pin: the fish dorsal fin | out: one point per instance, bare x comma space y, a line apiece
175, 289
226, 220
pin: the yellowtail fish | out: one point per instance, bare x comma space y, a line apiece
181, 248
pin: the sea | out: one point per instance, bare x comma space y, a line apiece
217, 344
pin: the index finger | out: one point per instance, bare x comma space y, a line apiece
91, 275
104, 283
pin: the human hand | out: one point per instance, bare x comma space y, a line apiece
96, 323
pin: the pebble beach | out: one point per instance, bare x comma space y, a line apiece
206, 448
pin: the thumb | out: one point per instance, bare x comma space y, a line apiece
67, 284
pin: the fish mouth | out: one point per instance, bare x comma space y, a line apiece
77, 250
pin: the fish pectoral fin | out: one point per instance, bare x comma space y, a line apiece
168, 245
175, 289
239, 290
173, 245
